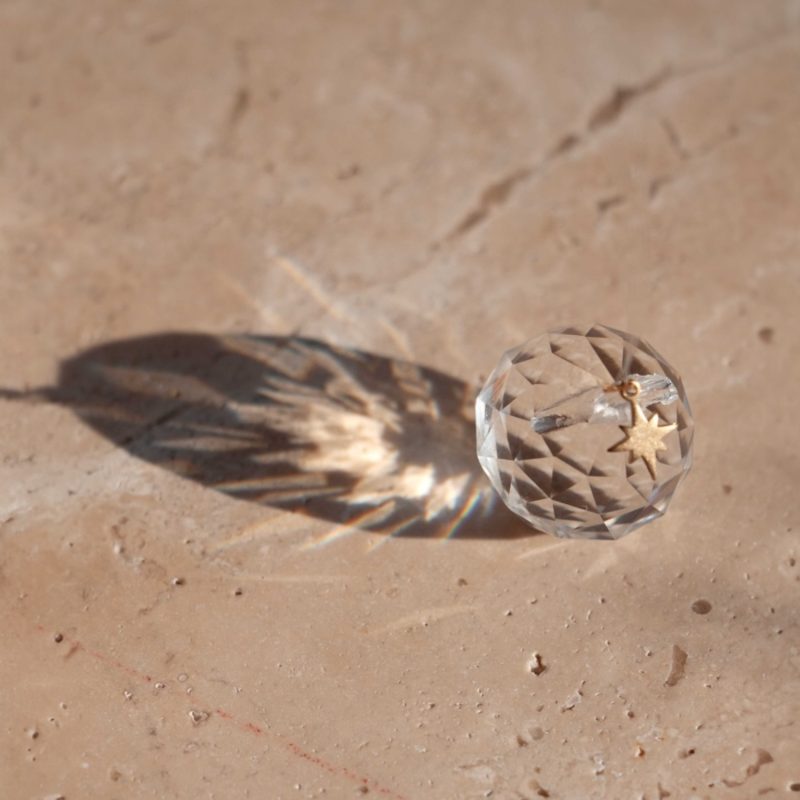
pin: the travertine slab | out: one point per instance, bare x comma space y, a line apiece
406, 185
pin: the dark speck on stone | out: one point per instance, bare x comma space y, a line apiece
701, 606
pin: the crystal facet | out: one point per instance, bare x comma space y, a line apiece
550, 421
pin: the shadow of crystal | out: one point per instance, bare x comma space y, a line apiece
350, 437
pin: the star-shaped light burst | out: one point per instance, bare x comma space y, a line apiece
643, 439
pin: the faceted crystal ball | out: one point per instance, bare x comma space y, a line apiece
554, 432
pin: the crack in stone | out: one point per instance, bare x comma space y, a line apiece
494, 194
499, 192
564, 145
605, 114
612, 108
688, 156
605, 204
673, 137
161, 419
240, 102
239, 107
762, 758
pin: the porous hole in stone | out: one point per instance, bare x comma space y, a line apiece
766, 334
701, 606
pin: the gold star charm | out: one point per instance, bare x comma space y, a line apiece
643, 438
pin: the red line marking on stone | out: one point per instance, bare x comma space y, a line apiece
250, 727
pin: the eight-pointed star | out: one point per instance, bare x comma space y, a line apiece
643, 438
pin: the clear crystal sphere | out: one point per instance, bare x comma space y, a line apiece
552, 425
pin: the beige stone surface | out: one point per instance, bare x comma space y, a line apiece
208, 592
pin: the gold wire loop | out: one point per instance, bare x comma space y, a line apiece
630, 390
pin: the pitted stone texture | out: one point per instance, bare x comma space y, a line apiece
548, 416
